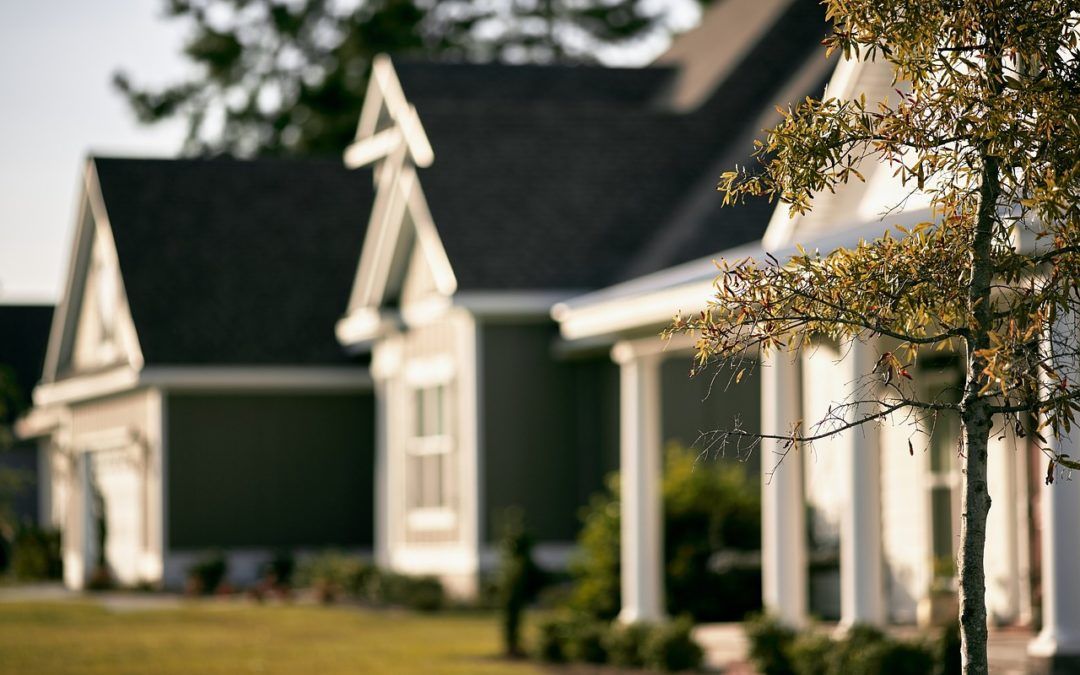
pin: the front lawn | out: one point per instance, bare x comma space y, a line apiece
233, 637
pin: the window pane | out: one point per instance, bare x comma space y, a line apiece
418, 411
942, 521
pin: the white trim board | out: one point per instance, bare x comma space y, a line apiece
278, 378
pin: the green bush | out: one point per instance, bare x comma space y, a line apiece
625, 644
708, 508
519, 578
206, 575
857, 640
332, 574
809, 654
551, 635
770, 645
890, 657
946, 650
423, 594
35, 554
670, 647
278, 571
864, 650
584, 641
383, 587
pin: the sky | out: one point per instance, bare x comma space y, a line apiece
56, 106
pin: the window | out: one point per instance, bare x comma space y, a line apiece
430, 475
943, 384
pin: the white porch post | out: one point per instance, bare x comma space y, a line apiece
1059, 639
861, 590
783, 512
641, 473
1058, 644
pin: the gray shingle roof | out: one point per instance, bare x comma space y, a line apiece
24, 335
568, 178
236, 261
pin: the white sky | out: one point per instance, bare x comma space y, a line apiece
57, 104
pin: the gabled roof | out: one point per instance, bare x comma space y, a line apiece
24, 334
235, 261
551, 177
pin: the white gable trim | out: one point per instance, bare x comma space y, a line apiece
92, 230
86, 387
400, 200
384, 94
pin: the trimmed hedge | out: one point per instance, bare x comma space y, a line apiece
667, 647
864, 650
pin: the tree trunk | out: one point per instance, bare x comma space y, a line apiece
977, 417
977, 422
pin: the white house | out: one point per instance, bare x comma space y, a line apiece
893, 513
500, 191
192, 379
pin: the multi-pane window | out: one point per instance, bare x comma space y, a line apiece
943, 476
430, 462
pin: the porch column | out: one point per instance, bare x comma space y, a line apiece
861, 590
783, 511
1057, 647
640, 468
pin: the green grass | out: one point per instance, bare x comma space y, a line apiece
228, 637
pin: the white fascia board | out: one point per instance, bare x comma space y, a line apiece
654, 300
512, 304
360, 327
373, 148
389, 94
37, 422
85, 387
277, 378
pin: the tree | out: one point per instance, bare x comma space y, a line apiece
984, 123
277, 77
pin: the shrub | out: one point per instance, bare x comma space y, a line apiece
857, 640
946, 650
206, 575
670, 647
383, 587
519, 578
708, 508
551, 640
809, 654
35, 554
332, 574
890, 657
584, 640
278, 571
770, 645
423, 594
625, 644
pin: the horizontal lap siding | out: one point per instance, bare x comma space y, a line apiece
257, 470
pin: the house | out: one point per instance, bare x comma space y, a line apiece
892, 511
193, 393
24, 330
501, 191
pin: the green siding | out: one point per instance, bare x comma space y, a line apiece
268, 470
550, 429
709, 402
